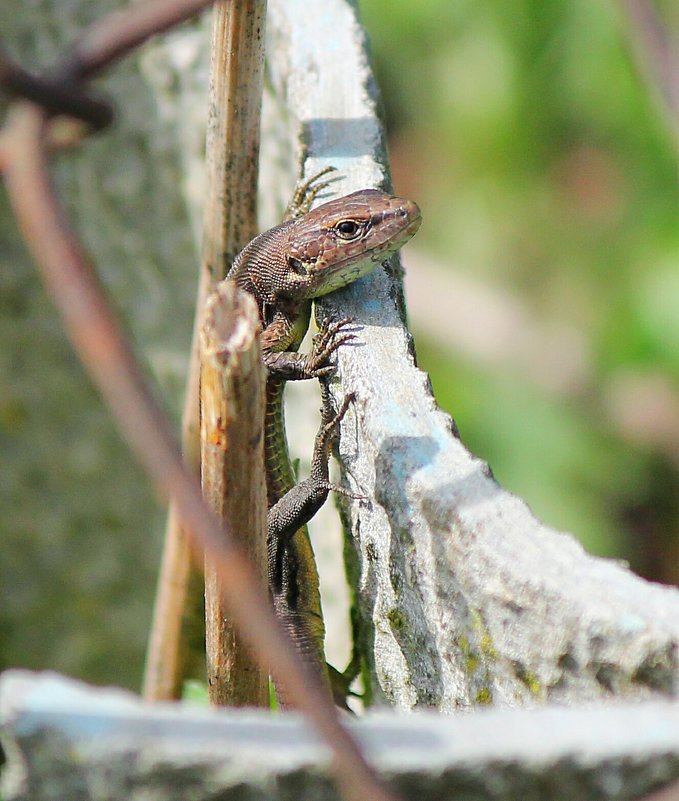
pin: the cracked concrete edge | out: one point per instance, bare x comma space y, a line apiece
465, 597
64, 739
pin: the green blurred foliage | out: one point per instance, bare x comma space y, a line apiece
544, 165
195, 692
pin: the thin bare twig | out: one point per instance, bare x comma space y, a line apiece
54, 95
98, 341
61, 89
118, 33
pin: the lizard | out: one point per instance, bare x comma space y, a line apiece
311, 253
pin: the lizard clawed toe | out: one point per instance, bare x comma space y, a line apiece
330, 327
330, 420
307, 191
329, 338
328, 433
354, 496
323, 372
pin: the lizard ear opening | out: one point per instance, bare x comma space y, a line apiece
268, 313
296, 265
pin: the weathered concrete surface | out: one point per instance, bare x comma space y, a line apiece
465, 598
65, 740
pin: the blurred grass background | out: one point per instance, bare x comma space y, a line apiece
546, 169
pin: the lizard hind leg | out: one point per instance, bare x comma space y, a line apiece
286, 569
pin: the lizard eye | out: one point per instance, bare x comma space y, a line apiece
296, 265
348, 229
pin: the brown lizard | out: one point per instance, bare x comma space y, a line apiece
305, 257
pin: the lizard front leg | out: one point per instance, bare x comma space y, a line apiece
294, 366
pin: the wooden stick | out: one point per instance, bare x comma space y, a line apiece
232, 475
230, 222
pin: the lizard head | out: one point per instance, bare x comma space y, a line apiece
342, 240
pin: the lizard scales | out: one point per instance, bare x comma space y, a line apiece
285, 268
